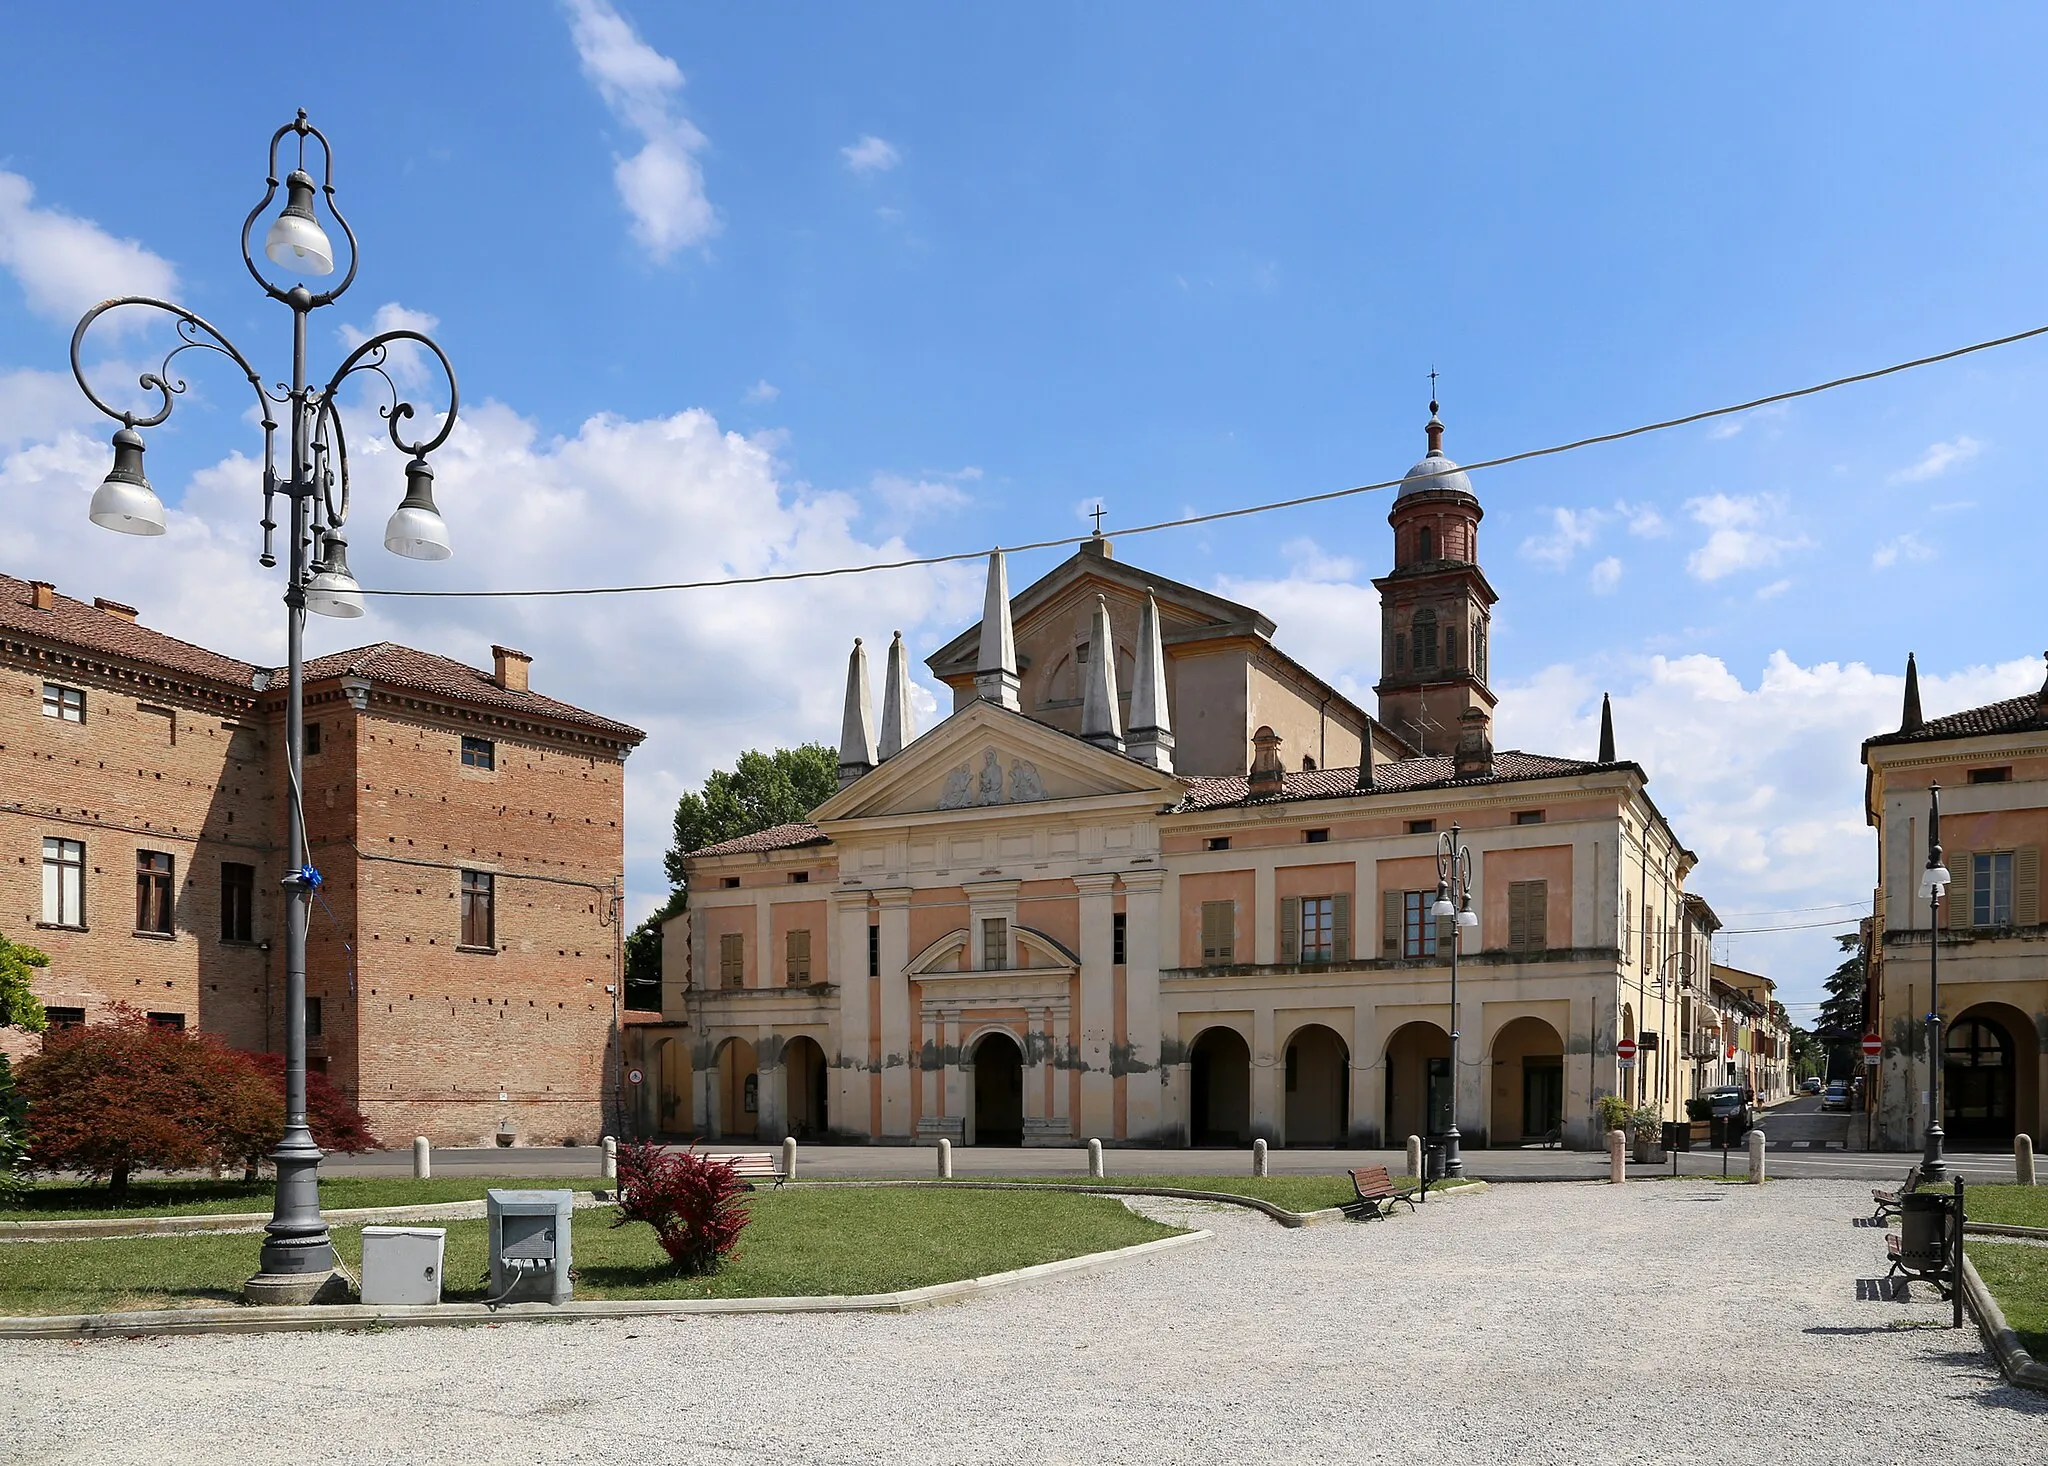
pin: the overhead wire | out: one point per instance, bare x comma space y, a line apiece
1186, 521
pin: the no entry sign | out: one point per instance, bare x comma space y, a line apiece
1873, 1048
1626, 1051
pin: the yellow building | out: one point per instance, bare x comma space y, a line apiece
1991, 764
1153, 881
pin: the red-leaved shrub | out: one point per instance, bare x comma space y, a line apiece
694, 1203
336, 1123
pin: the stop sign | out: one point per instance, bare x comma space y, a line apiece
1625, 1050
1873, 1048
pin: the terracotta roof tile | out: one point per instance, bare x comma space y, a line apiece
2014, 715
393, 665
781, 837
76, 624
1408, 773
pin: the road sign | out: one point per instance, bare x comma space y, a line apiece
1873, 1048
632, 1076
1626, 1051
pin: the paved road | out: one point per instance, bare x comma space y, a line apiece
1680, 1322
879, 1162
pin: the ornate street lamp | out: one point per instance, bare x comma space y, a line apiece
298, 1258
1933, 881
1454, 899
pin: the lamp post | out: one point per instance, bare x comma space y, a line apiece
1454, 899
1933, 881
297, 1257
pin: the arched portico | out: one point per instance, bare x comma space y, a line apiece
805, 1109
1990, 1087
1317, 1085
1418, 1082
669, 1094
1527, 1098
1220, 1088
739, 1090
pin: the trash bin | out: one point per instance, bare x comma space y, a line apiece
1433, 1161
1678, 1135
1923, 1232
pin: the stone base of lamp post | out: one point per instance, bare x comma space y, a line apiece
293, 1290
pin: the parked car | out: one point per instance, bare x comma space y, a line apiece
1730, 1102
1810, 1085
1835, 1096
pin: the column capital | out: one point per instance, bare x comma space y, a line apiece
1144, 880
848, 898
1095, 884
893, 897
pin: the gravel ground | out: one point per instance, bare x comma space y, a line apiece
1671, 1321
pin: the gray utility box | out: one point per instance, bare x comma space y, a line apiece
402, 1264
529, 1245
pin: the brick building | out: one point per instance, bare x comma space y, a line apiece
462, 963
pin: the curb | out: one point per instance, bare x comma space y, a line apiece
2019, 1367
259, 1320
1271, 1209
100, 1229
2003, 1229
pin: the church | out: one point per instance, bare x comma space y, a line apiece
1155, 882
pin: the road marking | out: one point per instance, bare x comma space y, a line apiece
1801, 1144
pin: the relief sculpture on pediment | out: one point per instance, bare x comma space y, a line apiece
991, 778
1025, 785
959, 789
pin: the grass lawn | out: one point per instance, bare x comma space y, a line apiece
2017, 1275
813, 1241
53, 1200
2010, 1206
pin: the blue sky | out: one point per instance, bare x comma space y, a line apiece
734, 289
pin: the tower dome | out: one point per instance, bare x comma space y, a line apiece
1435, 471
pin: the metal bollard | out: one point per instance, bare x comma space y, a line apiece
422, 1158
608, 1168
2023, 1159
789, 1157
1259, 1158
1756, 1157
945, 1159
1617, 1157
1415, 1155
1095, 1160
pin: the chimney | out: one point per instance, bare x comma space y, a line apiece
42, 595
1268, 776
1474, 758
114, 608
511, 668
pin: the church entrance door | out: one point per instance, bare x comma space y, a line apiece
998, 1091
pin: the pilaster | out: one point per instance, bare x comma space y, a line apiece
898, 1038
1098, 1004
1143, 941
852, 1110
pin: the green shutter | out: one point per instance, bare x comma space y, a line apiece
1538, 917
1390, 923
1446, 939
1518, 916
1955, 901
2026, 886
1340, 927
1290, 929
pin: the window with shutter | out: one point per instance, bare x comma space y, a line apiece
1390, 924
732, 959
1419, 929
1290, 929
2026, 886
1991, 888
1446, 937
1528, 914
1340, 927
1955, 901
1219, 933
798, 956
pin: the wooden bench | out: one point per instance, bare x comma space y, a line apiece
1888, 1201
752, 1166
1377, 1194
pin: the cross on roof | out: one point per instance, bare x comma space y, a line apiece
1097, 512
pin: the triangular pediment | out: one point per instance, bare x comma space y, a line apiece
986, 757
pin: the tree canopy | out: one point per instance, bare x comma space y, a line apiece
19, 1007
1839, 1028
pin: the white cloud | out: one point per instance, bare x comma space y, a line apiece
1939, 459
1606, 576
1571, 530
1318, 611
405, 360
1741, 535
706, 673
1723, 430
1772, 591
37, 406
763, 391
871, 155
1905, 547
65, 264
1643, 519
662, 185
924, 494
1761, 780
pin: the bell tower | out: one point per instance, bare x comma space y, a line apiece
1435, 605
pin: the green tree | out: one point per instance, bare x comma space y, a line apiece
759, 792
1808, 1058
19, 1006
1839, 1027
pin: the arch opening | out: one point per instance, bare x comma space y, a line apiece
671, 1089
1220, 1089
804, 1088
1990, 1075
1528, 1084
1418, 1081
998, 1091
1317, 1081
739, 1089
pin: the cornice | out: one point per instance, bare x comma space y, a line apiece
155, 679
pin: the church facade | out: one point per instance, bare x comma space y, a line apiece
1154, 882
